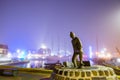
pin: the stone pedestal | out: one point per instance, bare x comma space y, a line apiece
85, 73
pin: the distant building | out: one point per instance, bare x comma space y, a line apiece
44, 51
4, 56
3, 49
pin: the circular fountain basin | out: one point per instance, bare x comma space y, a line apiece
85, 73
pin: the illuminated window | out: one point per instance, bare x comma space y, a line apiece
88, 74
106, 73
65, 73
94, 73
111, 72
82, 74
101, 73
77, 73
71, 73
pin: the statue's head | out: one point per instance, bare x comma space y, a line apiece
72, 35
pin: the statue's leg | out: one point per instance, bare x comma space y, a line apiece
74, 60
81, 57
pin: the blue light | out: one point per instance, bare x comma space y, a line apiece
22, 55
90, 51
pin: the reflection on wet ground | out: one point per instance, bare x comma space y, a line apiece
32, 64
37, 64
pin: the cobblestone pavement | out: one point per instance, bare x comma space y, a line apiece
26, 76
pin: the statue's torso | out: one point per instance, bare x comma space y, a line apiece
77, 46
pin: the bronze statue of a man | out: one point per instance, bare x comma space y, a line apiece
77, 48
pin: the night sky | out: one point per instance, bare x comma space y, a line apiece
26, 24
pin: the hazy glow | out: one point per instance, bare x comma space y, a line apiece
28, 65
118, 60
21, 54
29, 56
18, 50
36, 56
103, 50
109, 55
60, 56
101, 55
43, 46
26, 24
43, 63
5, 57
90, 52
104, 54
43, 57
117, 18
9, 55
52, 54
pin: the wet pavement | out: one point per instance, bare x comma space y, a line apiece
26, 76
